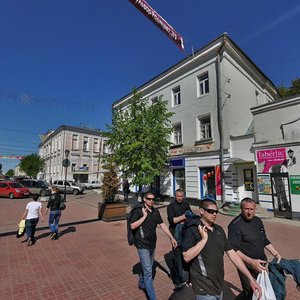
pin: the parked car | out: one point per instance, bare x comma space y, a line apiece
92, 184
36, 186
71, 187
13, 190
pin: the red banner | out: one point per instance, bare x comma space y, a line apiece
218, 181
159, 21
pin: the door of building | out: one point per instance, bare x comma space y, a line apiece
246, 182
281, 196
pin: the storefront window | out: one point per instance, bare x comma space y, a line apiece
207, 181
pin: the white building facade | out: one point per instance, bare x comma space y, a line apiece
85, 149
277, 155
211, 93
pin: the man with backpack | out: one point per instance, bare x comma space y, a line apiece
143, 222
176, 216
203, 247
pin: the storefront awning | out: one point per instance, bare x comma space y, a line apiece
237, 160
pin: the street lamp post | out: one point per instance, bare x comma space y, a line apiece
66, 164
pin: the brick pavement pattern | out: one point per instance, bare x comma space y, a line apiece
92, 260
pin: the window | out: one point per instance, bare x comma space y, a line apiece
85, 144
75, 142
177, 134
204, 128
176, 96
73, 167
203, 84
96, 145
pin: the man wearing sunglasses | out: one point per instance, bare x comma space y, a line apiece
246, 234
144, 223
203, 247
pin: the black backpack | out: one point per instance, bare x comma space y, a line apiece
130, 232
186, 265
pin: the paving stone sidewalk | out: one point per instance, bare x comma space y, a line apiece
92, 260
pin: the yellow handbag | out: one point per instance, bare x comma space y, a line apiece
21, 229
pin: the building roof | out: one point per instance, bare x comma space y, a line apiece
213, 46
51, 133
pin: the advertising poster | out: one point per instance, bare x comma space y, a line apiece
268, 158
264, 184
295, 184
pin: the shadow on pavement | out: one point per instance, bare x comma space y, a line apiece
187, 293
47, 227
61, 233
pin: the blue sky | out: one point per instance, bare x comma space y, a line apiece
67, 61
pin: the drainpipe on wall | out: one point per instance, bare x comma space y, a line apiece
219, 118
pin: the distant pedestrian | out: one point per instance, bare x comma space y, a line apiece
144, 223
176, 217
126, 190
55, 212
247, 236
31, 214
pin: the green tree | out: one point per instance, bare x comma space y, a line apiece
139, 139
32, 164
10, 173
292, 90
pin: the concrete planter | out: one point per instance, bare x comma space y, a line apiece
111, 212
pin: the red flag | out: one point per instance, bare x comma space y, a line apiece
159, 21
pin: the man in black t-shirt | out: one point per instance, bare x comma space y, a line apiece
203, 247
176, 217
144, 223
246, 234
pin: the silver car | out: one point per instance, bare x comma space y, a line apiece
71, 187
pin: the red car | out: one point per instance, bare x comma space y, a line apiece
13, 190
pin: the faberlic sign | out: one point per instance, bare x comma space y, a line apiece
268, 158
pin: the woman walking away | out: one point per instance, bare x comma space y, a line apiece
31, 213
55, 212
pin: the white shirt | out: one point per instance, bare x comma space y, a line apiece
33, 209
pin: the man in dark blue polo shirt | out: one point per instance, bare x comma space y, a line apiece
203, 246
246, 234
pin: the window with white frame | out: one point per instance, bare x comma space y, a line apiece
177, 134
73, 167
75, 142
203, 84
96, 145
204, 127
176, 96
95, 168
85, 146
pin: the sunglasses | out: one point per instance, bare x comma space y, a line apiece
211, 211
150, 199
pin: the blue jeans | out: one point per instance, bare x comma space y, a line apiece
53, 220
30, 227
209, 297
146, 280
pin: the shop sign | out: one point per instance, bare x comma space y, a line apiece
295, 184
195, 149
268, 158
